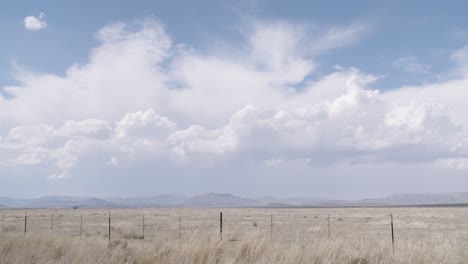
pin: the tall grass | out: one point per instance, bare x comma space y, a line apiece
358, 236
46, 249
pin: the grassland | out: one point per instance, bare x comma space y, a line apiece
357, 235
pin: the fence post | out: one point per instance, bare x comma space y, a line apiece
3, 221
328, 225
221, 225
81, 225
143, 228
109, 228
271, 226
393, 236
180, 225
25, 222
52, 223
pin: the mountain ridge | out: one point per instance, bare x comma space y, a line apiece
218, 200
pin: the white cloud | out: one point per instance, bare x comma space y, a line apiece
93, 128
34, 155
34, 23
144, 124
274, 162
460, 57
412, 65
30, 135
59, 176
454, 163
221, 140
141, 97
335, 37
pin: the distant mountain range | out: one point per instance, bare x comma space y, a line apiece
219, 200
228, 200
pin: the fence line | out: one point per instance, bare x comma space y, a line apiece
273, 225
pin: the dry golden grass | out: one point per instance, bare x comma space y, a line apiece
358, 235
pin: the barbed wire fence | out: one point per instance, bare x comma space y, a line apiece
156, 225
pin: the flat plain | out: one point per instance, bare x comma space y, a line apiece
249, 235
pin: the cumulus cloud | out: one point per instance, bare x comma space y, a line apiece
144, 124
91, 128
143, 97
35, 23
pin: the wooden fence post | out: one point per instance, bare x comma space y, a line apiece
143, 228
393, 236
328, 225
25, 222
52, 223
3, 221
221, 225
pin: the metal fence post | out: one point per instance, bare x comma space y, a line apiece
393, 235
221, 225
81, 225
180, 225
25, 222
3, 221
109, 228
271, 226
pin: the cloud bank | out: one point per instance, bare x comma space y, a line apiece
143, 96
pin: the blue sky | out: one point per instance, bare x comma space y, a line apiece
429, 30
117, 98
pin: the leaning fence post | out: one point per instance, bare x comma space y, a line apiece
109, 227
328, 225
393, 236
221, 225
25, 222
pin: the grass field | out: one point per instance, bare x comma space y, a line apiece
357, 235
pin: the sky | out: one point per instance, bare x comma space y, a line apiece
332, 99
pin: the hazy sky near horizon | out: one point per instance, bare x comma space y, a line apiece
330, 99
